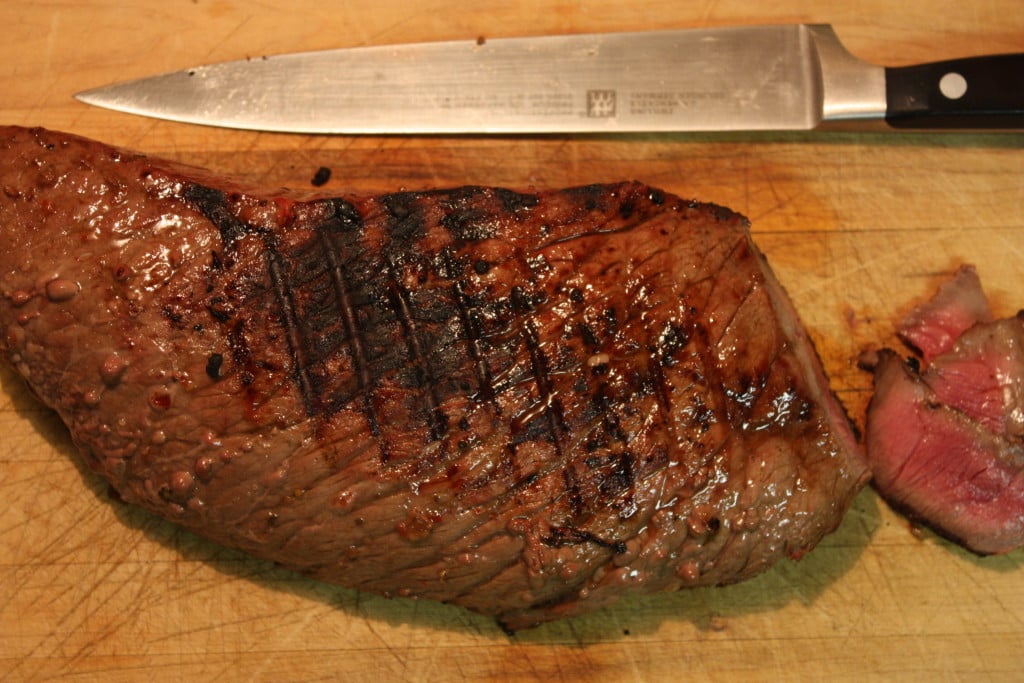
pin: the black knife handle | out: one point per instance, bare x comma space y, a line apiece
976, 92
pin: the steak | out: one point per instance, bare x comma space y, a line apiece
527, 404
945, 434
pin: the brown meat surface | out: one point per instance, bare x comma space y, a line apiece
528, 404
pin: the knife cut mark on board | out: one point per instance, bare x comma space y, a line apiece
218, 45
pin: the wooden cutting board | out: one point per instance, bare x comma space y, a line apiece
857, 226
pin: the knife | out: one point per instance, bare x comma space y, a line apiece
785, 77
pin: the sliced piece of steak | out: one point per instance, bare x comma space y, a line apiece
525, 404
934, 327
944, 434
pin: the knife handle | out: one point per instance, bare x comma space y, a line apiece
975, 92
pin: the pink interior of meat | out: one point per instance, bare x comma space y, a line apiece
945, 441
934, 327
983, 376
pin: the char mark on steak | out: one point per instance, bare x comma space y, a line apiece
528, 404
945, 433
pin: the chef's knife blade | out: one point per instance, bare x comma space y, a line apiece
789, 77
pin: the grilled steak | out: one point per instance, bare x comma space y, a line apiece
525, 404
945, 434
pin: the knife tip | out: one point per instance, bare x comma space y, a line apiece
104, 97
88, 96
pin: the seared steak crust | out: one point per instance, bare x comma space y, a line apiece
528, 404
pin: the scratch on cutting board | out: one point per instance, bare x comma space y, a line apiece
1012, 246
145, 132
208, 55
428, 161
709, 9
93, 606
985, 588
392, 26
779, 200
399, 657
51, 42
631, 654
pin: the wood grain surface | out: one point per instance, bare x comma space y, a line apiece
857, 227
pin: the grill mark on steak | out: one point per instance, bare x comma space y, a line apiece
343, 290
316, 310
464, 217
472, 326
545, 409
406, 225
286, 303
424, 379
213, 204
320, 276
